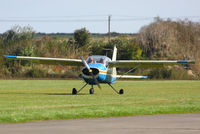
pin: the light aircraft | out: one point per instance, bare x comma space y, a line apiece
101, 69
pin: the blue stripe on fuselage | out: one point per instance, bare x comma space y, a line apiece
99, 66
102, 78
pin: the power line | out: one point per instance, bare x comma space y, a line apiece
75, 16
65, 19
50, 20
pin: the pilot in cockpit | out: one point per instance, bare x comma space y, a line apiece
91, 60
102, 61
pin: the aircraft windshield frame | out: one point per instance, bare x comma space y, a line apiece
98, 59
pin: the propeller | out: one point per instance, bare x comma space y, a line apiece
90, 71
73, 74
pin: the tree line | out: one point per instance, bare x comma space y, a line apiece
162, 39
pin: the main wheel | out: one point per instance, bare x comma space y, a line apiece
74, 91
121, 91
91, 91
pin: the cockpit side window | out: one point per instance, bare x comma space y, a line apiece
98, 59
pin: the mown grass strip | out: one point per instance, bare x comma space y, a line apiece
31, 100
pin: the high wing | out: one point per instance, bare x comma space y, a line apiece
147, 63
49, 61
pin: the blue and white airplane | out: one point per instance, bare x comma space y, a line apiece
101, 69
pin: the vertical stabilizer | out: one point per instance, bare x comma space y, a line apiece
114, 58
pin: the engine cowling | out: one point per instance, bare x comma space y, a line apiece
95, 71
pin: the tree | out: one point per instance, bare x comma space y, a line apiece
81, 37
18, 33
170, 39
17, 39
128, 49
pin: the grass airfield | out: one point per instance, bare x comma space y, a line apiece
31, 100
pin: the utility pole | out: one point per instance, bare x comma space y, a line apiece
109, 17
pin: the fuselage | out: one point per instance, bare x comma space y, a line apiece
100, 70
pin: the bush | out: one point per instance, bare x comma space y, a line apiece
160, 74
170, 40
81, 37
36, 73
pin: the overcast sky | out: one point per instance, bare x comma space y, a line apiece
128, 16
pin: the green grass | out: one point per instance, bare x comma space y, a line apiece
30, 100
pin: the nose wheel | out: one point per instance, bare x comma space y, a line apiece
91, 91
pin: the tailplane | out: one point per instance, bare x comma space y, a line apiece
131, 77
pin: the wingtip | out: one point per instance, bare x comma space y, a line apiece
186, 61
144, 77
9, 56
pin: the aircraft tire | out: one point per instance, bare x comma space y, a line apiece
121, 91
91, 91
74, 91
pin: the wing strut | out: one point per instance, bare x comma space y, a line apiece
128, 72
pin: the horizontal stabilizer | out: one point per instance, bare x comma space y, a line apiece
132, 77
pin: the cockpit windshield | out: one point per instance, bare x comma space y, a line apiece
98, 59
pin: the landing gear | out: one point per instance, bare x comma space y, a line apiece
74, 91
91, 91
121, 91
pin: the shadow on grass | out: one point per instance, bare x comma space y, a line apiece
44, 93
64, 94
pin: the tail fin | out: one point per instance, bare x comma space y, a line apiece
114, 58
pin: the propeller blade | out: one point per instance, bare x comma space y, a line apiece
76, 76
96, 81
85, 64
